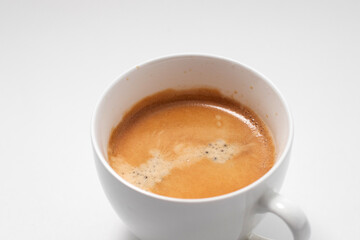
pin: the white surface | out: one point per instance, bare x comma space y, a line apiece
57, 57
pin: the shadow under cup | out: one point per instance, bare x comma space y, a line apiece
147, 213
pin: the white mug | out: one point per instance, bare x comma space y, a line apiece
227, 217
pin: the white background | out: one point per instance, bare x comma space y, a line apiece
57, 57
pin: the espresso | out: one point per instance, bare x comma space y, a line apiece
190, 144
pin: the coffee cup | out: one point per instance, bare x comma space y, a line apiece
230, 216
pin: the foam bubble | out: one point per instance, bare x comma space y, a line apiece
147, 174
158, 166
220, 151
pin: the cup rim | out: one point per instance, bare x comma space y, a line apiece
105, 164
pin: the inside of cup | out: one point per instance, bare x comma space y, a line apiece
183, 72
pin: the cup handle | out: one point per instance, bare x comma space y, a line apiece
289, 212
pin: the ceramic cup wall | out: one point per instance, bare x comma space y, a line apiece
227, 217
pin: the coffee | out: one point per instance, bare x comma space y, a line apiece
190, 144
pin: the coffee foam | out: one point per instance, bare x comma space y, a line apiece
154, 170
190, 144
220, 151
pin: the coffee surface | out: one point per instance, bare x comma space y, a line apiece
190, 144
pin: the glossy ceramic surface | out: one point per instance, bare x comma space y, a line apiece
231, 216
